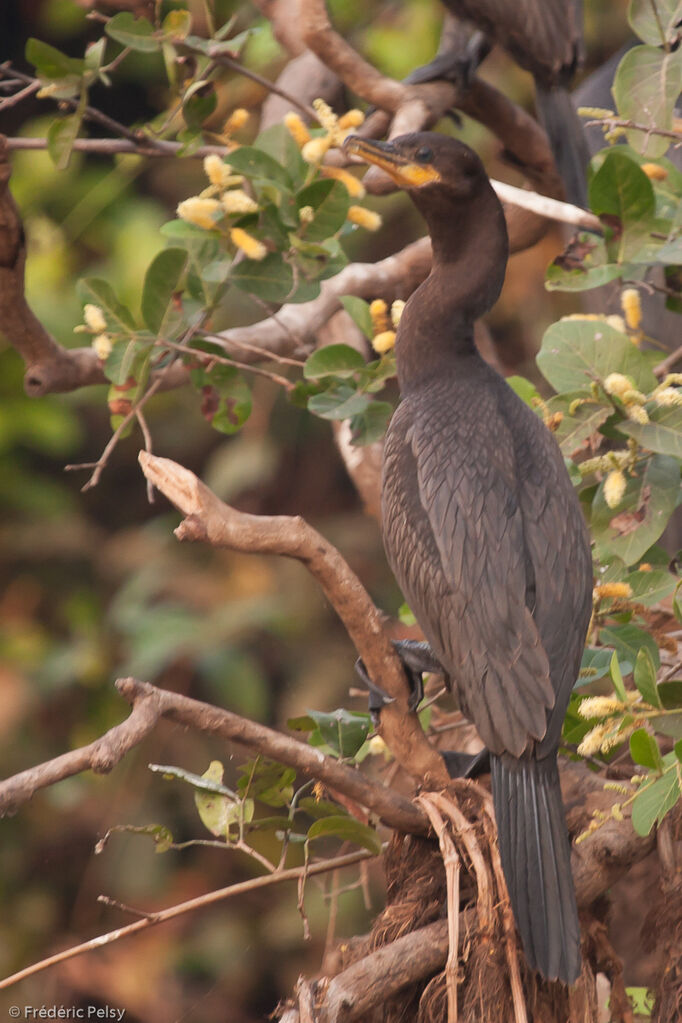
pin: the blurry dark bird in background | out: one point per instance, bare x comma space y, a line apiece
485, 535
545, 38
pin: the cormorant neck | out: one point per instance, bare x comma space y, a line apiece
470, 248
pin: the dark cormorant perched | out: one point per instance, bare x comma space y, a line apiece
485, 535
545, 38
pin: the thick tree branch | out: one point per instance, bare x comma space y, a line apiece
210, 520
150, 705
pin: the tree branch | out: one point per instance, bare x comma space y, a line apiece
150, 705
190, 906
210, 520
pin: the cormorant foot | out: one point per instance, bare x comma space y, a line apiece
458, 63
466, 765
417, 658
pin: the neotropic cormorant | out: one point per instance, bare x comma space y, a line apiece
485, 535
545, 38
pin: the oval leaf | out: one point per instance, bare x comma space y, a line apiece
333, 360
349, 829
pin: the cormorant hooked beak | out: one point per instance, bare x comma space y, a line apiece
405, 172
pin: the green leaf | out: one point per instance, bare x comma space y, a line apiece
267, 781
577, 427
331, 202
627, 641
61, 136
678, 750
162, 280
270, 279
349, 830
210, 781
52, 63
177, 25
663, 432
333, 360
358, 310
524, 389
651, 587
575, 352
655, 21
127, 361
338, 403
646, 86
617, 678
644, 750
226, 397
669, 723
198, 104
369, 426
277, 142
217, 811
654, 800
620, 189
670, 693
135, 33
319, 808
99, 292
343, 731
255, 164
645, 678
595, 664
641, 997
559, 278
643, 513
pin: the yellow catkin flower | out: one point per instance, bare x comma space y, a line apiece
216, 170
354, 186
383, 342
102, 345
618, 590
598, 706
617, 812
249, 245
368, 219
632, 307
238, 201
672, 379
637, 414
236, 120
200, 212
397, 311
597, 113
668, 396
296, 129
618, 384
351, 119
592, 742
614, 487
326, 116
94, 318
313, 151
617, 322
645, 567
378, 311
306, 214
377, 745
654, 171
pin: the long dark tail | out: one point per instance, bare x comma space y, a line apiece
536, 859
564, 130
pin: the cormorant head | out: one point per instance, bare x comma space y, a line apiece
424, 163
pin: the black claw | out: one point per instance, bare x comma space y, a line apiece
416, 658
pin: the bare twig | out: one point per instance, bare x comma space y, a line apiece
23, 94
200, 902
664, 367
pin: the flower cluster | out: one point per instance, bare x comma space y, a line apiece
384, 324
609, 733
219, 200
96, 324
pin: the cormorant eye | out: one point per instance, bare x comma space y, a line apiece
424, 155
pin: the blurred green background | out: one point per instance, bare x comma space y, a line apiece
94, 586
